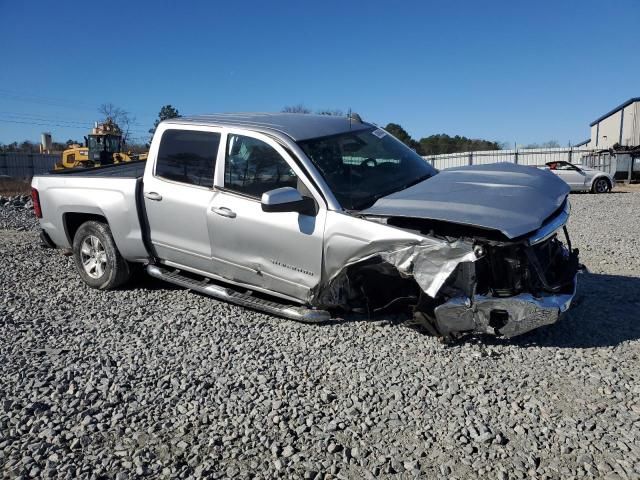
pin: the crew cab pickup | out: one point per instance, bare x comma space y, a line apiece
309, 216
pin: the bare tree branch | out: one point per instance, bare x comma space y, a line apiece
300, 108
334, 112
119, 116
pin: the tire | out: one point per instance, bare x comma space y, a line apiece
601, 185
97, 258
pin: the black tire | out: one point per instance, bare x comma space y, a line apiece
97, 258
601, 185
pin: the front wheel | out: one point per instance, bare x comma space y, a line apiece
97, 258
601, 185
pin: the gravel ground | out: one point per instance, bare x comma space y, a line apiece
16, 213
154, 380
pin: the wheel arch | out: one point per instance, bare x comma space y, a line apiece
109, 269
73, 220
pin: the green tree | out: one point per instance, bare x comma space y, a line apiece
443, 143
402, 135
166, 113
10, 147
29, 147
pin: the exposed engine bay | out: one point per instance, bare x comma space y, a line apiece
475, 280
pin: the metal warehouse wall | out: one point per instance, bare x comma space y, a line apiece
631, 131
622, 126
26, 165
609, 130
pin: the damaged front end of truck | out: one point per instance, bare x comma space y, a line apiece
461, 279
456, 277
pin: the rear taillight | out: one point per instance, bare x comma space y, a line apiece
36, 203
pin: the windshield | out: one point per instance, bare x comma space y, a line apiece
112, 144
108, 143
365, 165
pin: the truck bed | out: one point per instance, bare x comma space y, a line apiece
111, 193
119, 170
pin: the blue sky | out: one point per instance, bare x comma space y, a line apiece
511, 71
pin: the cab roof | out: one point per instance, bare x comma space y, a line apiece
298, 126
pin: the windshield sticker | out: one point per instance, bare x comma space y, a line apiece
379, 133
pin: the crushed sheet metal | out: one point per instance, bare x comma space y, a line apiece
430, 266
429, 262
525, 311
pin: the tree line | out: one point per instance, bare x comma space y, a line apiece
441, 143
27, 146
432, 145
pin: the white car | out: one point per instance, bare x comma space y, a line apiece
582, 179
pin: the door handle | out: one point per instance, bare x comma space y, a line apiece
153, 196
224, 211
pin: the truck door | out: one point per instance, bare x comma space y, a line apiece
278, 251
178, 193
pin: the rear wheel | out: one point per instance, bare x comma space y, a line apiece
97, 258
601, 185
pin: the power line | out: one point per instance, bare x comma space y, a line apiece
42, 124
41, 115
137, 139
51, 124
49, 121
30, 116
50, 101
40, 118
45, 101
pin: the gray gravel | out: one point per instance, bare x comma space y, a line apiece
16, 212
153, 380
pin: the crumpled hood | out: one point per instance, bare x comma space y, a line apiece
512, 199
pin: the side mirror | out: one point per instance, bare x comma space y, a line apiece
287, 199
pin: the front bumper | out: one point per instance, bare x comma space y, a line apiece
504, 316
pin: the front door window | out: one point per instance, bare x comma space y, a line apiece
253, 167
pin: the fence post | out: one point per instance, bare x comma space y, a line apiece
630, 170
570, 154
470, 158
515, 157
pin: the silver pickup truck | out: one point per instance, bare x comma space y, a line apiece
308, 216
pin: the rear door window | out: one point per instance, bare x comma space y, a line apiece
188, 156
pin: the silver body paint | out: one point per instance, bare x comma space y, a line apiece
512, 199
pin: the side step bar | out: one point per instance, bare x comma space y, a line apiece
291, 312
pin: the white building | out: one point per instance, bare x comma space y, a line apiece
619, 126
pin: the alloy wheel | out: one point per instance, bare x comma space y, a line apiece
93, 256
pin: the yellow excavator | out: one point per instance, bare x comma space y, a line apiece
103, 146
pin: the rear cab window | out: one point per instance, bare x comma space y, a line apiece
188, 156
